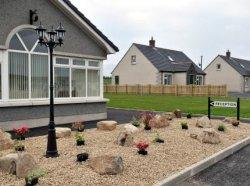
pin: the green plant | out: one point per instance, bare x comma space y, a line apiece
79, 137
221, 127
157, 139
19, 146
184, 125
34, 175
189, 116
135, 121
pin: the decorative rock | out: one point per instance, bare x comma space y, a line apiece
130, 128
232, 121
178, 113
203, 122
194, 136
106, 125
125, 139
159, 121
18, 164
62, 132
110, 165
5, 141
209, 136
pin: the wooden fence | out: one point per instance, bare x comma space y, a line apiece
191, 90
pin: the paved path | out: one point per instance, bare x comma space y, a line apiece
239, 95
232, 171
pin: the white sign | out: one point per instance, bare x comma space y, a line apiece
224, 104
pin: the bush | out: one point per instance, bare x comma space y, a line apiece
145, 118
34, 175
189, 116
135, 121
157, 139
221, 128
184, 125
79, 139
19, 147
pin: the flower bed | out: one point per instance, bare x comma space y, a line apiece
163, 159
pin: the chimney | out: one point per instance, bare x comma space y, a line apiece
228, 54
152, 42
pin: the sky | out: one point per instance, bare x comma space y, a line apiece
196, 27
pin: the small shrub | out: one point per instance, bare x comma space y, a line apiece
79, 139
142, 145
189, 116
33, 176
135, 121
184, 125
157, 139
222, 128
82, 157
145, 118
78, 125
21, 132
19, 147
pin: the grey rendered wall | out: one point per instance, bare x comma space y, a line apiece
14, 13
36, 116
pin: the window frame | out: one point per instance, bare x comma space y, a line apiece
133, 59
86, 67
218, 65
163, 78
199, 76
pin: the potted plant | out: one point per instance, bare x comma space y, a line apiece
19, 147
79, 139
221, 128
157, 139
145, 118
135, 122
33, 177
78, 125
142, 146
189, 116
82, 157
21, 132
184, 125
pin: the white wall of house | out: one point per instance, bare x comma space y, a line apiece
180, 78
227, 75
142, 72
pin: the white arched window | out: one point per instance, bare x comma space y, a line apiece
28, 66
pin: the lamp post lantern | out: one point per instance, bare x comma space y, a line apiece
55, 38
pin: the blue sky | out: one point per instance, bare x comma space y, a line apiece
196, 27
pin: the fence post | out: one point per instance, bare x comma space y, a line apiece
162, 89
149, 88
126, 88
138, 86
176, 90
209, 90
192, 89
116, 88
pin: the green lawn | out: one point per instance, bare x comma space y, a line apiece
194, 105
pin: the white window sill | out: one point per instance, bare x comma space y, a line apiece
19, 103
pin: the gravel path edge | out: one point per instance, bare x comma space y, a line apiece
203, 164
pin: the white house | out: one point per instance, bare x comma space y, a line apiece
230, 71
148, 64
24, 65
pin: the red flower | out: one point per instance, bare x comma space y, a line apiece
142, 145
21, 131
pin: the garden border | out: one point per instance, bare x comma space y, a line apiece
203, 164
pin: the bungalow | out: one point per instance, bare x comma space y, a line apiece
148, 64
24, 65
230, 71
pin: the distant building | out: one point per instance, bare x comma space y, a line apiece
148, 64
230, 71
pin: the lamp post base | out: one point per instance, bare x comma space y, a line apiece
51, 154
51, 144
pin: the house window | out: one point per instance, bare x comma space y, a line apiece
133, 59
76, 78
117, 80
28, 67
0, 81
247, 82
199, 80
167, 79
218, 67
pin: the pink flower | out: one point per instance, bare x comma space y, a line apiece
21, 131
142, 145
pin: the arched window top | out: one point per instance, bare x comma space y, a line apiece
26, 40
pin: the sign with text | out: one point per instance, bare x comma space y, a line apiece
224, 104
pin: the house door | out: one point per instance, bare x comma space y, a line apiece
190, 79
117, 80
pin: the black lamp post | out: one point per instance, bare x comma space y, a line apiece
55, 38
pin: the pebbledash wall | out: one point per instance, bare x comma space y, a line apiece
80, 43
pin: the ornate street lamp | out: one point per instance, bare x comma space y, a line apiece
55, 38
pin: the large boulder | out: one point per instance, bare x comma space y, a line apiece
63, 132
159, 121
129, 128
203, 122
5, 141
106, 125
209, 136
178, 113
232, 121
18, 164
109, 165
125, 139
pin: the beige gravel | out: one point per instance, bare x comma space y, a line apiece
178, 152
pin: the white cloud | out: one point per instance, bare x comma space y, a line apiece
197, 27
